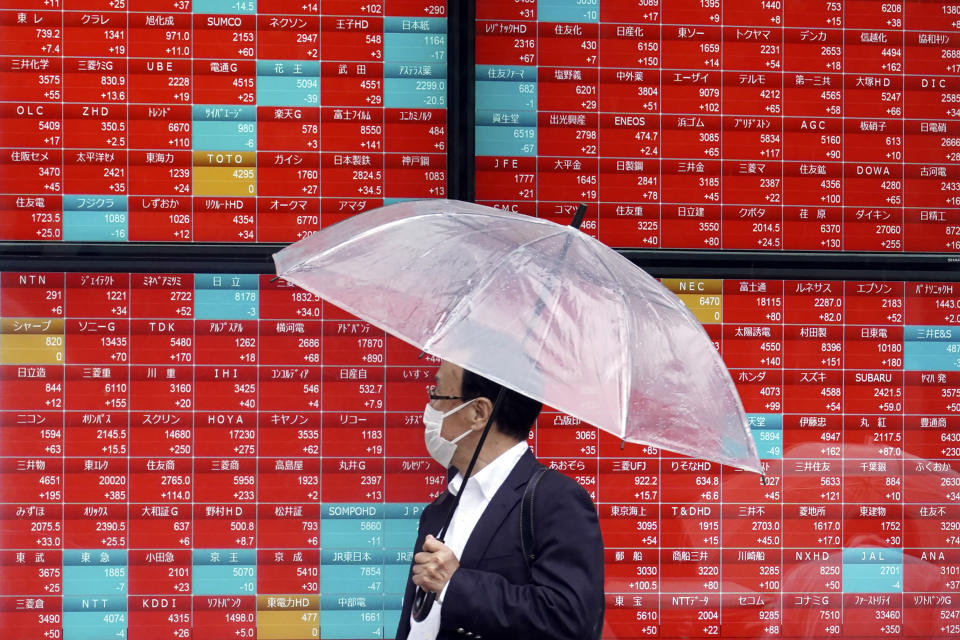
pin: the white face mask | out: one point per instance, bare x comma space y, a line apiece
440, 448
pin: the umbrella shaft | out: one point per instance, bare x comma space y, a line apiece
423, 601
473, 460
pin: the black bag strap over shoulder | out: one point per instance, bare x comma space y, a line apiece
527, 539
526, 516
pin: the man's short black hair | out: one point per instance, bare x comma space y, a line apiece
516, 413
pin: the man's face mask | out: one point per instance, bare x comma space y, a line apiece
440, 448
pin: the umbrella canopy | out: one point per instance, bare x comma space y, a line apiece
540, 308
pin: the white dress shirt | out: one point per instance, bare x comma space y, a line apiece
480, 490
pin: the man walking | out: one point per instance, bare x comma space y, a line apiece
487, 585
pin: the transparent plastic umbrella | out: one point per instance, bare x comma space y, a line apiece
540, 308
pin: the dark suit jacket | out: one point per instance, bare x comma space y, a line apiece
494, 595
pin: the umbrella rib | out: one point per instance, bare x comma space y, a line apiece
652, 307
467, 218
437, 333
305, 265
624, 388
751, 447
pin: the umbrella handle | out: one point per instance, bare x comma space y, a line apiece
422, 603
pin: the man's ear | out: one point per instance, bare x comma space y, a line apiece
481, 408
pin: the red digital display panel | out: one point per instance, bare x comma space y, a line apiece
215, 120
217, 455
712, 124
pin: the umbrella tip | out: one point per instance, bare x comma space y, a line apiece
763, 479
578, 216
274, 278
422, 353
